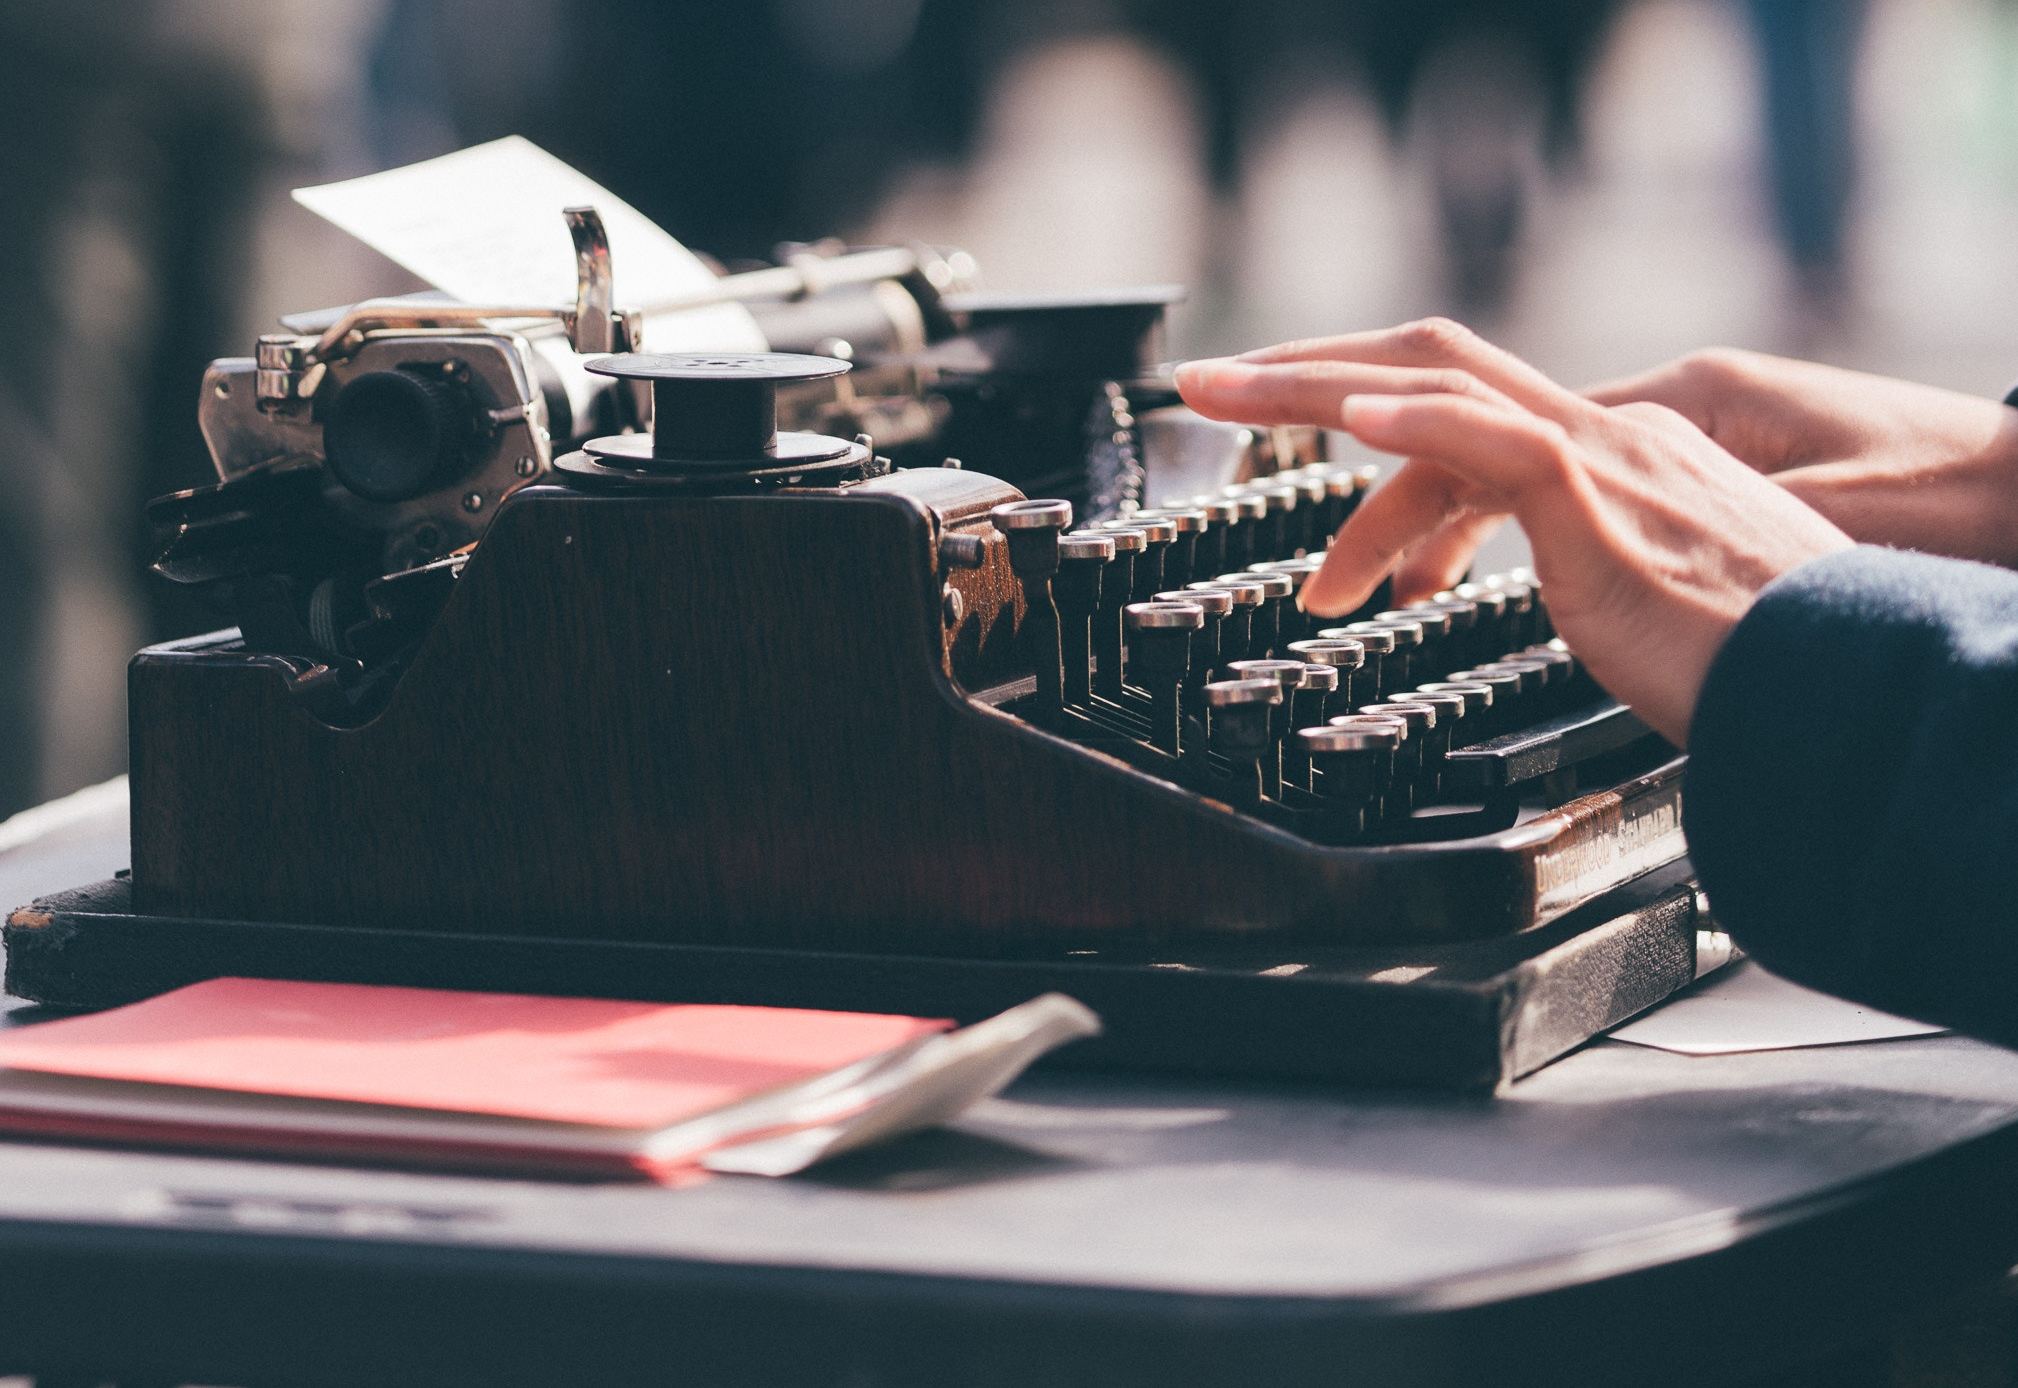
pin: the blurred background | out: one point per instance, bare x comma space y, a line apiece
1599, 184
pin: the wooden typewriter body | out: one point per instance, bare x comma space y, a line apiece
747, 719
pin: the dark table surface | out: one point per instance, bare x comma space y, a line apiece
1625, 1213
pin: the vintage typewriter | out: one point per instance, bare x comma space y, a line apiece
559, 665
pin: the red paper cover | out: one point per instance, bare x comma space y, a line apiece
569, 1060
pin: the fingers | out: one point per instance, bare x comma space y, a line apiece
1416, 501
1307, 392
1464, 451
1443, 559
1432, 343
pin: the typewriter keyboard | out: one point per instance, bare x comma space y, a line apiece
1171, 638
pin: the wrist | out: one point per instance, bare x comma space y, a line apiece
1993, 478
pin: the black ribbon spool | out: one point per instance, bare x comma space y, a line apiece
714, 419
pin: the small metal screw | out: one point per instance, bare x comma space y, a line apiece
526, 466
472, 501
955, 606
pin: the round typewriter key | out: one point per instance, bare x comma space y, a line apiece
1400, 670
1157, 535
1186, 520
1352, 764
1391, 741
1435, 623
1409, 629
1275, 592
1450, 712
1246, 589
1450, 705
1242, 730
1128, 538
1175, 615
1082, 557
1220, 514
1228, 693
1521, 627
1341, 494
1306, 710
1156, 529
1159, 656
1414, 768
1085, 544
1042, 514
1346, 656
1216, 604
1507, 713
1344, 653
1180, 564
1491, 602
1215, 601
1236, 637
1288, 674
1478, 707
1375, 678
1533, 674
1378, 639
1273, 584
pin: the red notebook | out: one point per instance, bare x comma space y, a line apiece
563, 1084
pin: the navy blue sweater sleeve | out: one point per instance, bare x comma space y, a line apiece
1852, 792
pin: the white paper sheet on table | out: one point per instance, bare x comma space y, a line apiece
485, 225
1743, 1008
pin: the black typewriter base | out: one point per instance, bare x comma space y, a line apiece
1469, 1016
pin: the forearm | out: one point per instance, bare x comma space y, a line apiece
1964, 507
1852, 800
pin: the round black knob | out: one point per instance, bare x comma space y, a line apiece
390, 435
717, 408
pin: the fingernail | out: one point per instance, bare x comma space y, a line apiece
1213, 373
1368, 412
1320, 600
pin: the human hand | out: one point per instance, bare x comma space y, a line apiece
1650, 539
1890, 462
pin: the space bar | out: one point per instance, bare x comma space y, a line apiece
1530, 753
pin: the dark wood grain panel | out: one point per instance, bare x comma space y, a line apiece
741, 719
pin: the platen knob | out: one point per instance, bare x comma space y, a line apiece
391, 435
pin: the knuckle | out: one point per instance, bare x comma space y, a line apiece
1438, 336
1718, 366
1556, 455
1653, 413
1449, 380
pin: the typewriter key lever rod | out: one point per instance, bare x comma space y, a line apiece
1032, 529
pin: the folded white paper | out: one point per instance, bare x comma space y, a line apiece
1744, 1008
927, 1083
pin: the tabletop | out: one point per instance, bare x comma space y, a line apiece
1623, 1212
